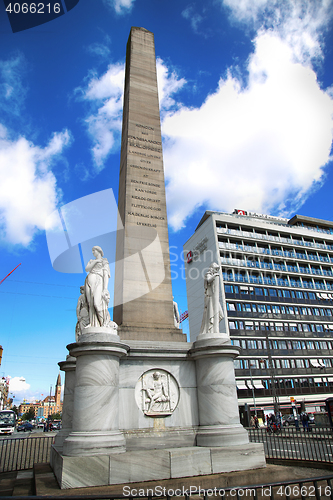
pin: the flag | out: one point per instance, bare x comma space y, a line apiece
183, 316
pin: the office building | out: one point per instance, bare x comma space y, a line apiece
277, 297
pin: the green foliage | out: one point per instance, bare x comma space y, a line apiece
56, 416
29, 415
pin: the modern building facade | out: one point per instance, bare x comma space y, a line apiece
277, 296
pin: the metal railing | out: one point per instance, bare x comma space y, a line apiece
23, 453
290, 443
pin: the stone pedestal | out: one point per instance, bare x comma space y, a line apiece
95, 427
217, 393
68, 367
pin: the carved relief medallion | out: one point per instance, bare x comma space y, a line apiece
157, 393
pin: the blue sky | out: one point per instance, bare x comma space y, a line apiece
246, 96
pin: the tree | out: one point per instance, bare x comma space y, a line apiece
15, 409
29, 415
56, 416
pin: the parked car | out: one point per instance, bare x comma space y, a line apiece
290, 420
56, 426
26, 426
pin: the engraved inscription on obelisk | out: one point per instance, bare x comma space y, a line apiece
143, 303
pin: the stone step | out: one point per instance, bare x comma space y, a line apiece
17, 483
44, 480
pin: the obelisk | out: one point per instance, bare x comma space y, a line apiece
143, 302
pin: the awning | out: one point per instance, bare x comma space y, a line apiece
314, 362
241, 384
318, 380
257, 384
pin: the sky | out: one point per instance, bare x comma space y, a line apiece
246, 101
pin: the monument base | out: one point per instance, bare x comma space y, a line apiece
144, 465
130, 332
94, 443
222, 435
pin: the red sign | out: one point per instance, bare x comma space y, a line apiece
241, 212
189, 257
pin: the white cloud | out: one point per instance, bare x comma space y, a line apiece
300, 23
261, 146
28, 191
120, 6
105, 94
104, 123
99, 49
194, 18
17, 385
12, 91
168, 84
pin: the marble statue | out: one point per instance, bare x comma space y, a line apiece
82, 314
176, 316
92, 306
212, 308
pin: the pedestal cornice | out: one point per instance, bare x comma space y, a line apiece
213, 348
67, 365
98, 342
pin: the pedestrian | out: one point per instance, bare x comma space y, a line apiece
256, 422
252, 422
305, 421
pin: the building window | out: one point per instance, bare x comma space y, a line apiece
261, 308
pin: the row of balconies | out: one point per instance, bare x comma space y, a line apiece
281, 334
282, 317
275, 267
277, 239
266, 280
286, 391
274, 252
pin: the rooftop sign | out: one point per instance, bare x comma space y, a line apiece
259, 216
